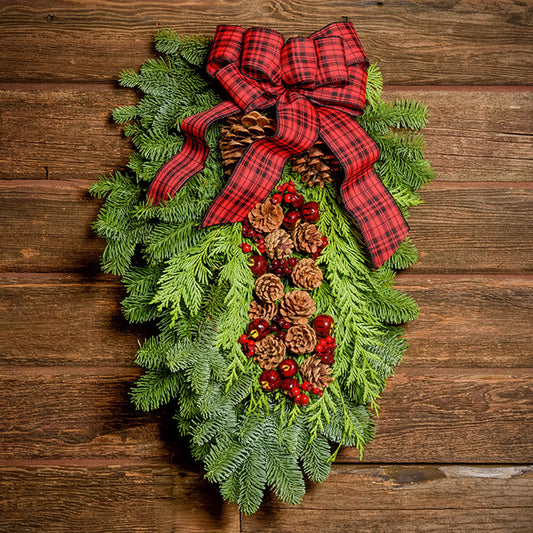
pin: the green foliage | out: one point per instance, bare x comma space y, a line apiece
193, 286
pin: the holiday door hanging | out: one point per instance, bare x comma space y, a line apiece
263, 250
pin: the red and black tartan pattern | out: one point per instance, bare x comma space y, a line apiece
317, 85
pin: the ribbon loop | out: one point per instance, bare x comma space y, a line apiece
261, 49
298, 62
317, 84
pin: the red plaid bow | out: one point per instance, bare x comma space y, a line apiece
317, 85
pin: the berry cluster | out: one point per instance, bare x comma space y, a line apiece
282, 329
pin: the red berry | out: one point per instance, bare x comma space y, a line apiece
278, 271
275, 263
270, 380
246, 248
320, 393
288, 198
243, 338
316, 254
293, 261
287, 270
276, 199
327, 359
258, 265
298, 399
329, 340
323, 324
305, 385
258, 329
325, 241
310, 212
281, 335
288, 368
316, 390
291, 219
297, 200
285, 324
261, 247
291, 187
319, 348
282, 187
283, 263
290, 386
305, 399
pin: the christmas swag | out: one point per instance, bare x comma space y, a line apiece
263, 249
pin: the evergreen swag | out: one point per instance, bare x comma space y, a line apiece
195, 286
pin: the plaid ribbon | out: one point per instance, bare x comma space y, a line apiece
317, 85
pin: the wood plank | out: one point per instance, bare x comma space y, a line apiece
473, 135
468, 42
427, 415
75, 320
469, 321
368, 498
47, 227
406, 498
112, 498
61, 133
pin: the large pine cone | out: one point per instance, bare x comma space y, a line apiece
237, 133
278, 244
266, 217
297, 307
301, 339
307, 275
269, 288
269, 352
317, 166
316, 372
307, 238
267, 311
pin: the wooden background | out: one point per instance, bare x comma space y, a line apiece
454, 445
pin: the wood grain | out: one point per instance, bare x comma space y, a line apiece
47, 228
75, 320
473, 135
113, 498
460, 42
406, 498
362, 498
427, 415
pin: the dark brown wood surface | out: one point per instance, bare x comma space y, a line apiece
453, 450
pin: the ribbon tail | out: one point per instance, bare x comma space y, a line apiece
261, 165
382, 224
191, 159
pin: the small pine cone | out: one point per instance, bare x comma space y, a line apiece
266, 217
297, 307
269, 352
316, 372
266, 311
301, 339
307, 275
269, 288
278, 244
237, 133
307, 238
317, 166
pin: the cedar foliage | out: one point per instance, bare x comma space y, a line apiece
194, 286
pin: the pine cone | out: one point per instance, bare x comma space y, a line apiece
239, 132
307, 275
307, 238
266, 217
301, 339
267, 311
316, 372
297, 307
278, 244
269, 352
317, 166
269, 288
